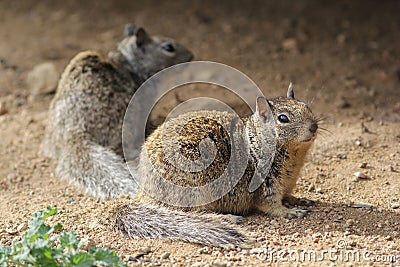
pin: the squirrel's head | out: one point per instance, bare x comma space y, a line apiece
149, 54
295, 124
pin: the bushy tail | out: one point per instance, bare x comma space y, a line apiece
97, 170
139, 220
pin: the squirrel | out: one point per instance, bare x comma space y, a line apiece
85, 116
147, 216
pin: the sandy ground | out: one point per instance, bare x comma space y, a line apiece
344, 59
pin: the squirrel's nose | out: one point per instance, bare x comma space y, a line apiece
313, 127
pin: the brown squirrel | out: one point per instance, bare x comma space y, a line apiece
85, 117
149, 216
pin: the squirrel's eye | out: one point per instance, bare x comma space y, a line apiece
283, 118
168, 47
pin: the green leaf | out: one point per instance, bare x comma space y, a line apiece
5, 253
57, 227
82, 259
37, 247
69, 239
105, 257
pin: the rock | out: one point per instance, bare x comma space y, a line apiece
350, 222
130, 258
145, 250
361, 206
165, 255
42, 79
11, 231
339, 219
136, 256
311, 188
198, 264
388, 238
219, 263
363, 165
395, 205
205, 250
21, 227
348, 202
361, 176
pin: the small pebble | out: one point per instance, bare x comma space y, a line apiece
361, 176
138, 255
165, 255
348, 203
130, 258
388, 238
350, 222
198, 264
21, 227
361, 206
205, 250
231, 247
219, 263
363, 165
338, 219
42, 78
144, 250
395, 205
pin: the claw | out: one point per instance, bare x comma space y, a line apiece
296, 213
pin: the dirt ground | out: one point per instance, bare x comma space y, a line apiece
342, 56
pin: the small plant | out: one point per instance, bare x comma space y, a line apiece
41, 246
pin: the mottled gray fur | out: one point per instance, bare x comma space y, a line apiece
85, 117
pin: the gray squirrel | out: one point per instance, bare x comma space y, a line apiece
85, 117
148, 216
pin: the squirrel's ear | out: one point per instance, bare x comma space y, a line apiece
141, 37
290, 92
129, 30
262, 105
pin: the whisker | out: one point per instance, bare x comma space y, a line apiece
324, 136
311, 101
324, 131
322, 119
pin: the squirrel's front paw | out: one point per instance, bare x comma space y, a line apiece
278, 210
